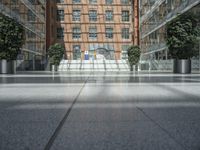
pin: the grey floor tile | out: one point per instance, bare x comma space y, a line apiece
114, 111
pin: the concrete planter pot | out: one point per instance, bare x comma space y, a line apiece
11, 67
7, 67
182, 66
3, 66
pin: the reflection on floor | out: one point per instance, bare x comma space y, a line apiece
97, 111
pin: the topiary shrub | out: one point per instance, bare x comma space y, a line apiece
55, 53
133, 55
182, 33
12, 38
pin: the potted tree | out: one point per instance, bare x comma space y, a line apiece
55, 54
182, 34
11, 40
133, 56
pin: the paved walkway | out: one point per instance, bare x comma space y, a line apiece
99, 111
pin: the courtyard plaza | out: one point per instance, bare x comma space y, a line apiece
99, 111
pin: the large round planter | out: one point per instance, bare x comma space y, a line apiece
3, 66
7, 67
11, 66
182, 66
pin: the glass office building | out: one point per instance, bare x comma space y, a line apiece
154, 15
31, 14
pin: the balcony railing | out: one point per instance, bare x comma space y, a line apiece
155, 48
179, 10
38, 52
151, 10
8, 12
33, 9
43, 2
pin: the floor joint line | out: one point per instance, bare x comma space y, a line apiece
60, 125
163, 129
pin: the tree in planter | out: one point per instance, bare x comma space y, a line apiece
182, 34
55, 53
133, 55
12, 38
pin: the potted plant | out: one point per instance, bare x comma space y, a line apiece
55, 54
182, 34
11, 40
133, 56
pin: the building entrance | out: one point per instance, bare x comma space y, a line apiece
103, 51
106, 53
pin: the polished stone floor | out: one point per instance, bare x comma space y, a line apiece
99, 111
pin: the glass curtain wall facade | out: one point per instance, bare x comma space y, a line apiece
154, 15
31, 14
85, 26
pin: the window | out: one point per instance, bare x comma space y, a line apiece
31, 16
60, 15
93, 32
76, 47
32, 46
76, 52
60, 1
125, 48
33, 2
52, 12
76, 1
92, 15
30, 34
60, 33
16, 11
109, 1
92, 1
124, 1
14, 2
124, 51
125, 33
76, 33
109, 33
76, 15
52, 30
109, 15
125, 15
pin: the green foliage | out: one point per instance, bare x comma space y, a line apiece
11, 37
55, 53
182, 34
133, 55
